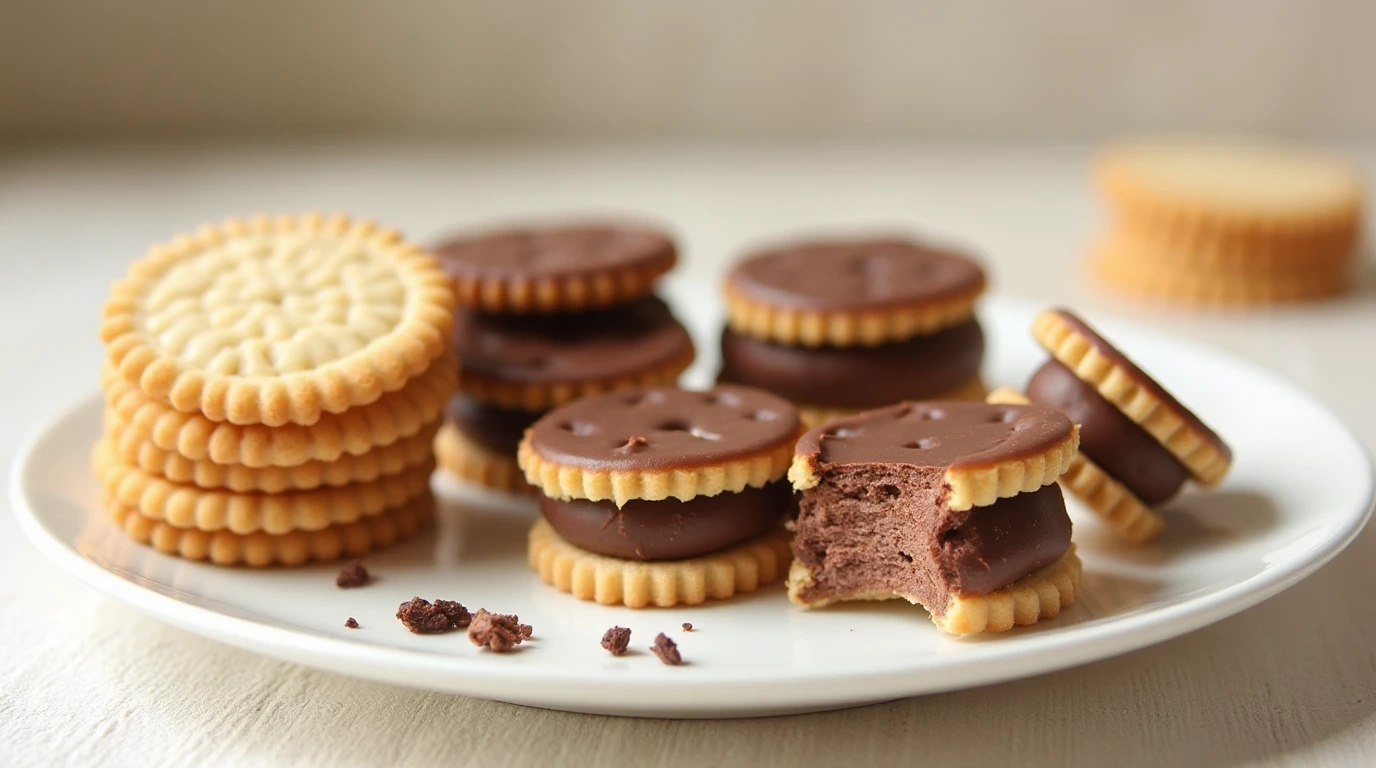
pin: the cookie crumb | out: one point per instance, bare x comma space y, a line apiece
351, 623
352, 575
616, 639
498, 632
687, 626
666, 650
424, 618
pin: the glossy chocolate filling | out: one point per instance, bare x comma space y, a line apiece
856, 377
497, 429
668, 529
1108, 437
876, 530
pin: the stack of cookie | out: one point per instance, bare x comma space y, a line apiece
548, 315
839, 326
1213, 223
273, 388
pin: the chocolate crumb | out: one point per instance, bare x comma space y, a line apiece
616, 639
499, 632
351, 623
666, 650
352, 575
687, 626
425, 618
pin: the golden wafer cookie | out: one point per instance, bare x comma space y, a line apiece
186, 506
813, 415
1107, 498
1221, 254
1242, 188
467, 460
135, 450
258, 550
1041, 594
394, 416
1098, 363
1131, 274
970, 484
851, 293
556, 269
613, 581
279, 320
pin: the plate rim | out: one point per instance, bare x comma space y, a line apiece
1080, 645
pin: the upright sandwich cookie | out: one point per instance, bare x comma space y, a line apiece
953, 506
843, 326
1138, 443
660, 496
518, 367
568, 268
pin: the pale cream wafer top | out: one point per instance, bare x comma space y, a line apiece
278, 320
1239, 185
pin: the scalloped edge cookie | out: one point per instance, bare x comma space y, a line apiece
186, 506
466, 460
565, 293
260, 550
359, 378
1144, 279
542, 397
1118, 386
137, 451
609, 581
1107, 498
870, 328
1041, 594
394, 416
1220, 200
979, 486
559, 481
816, 415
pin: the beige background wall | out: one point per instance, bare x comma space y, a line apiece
948, 70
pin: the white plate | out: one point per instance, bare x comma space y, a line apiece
1300, 491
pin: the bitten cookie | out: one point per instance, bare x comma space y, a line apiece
949, 505
840, 326
1138, 444
661, 496
277, 321
568, 268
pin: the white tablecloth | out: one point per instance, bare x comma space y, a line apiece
87, 681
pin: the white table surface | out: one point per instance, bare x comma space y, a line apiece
86, 681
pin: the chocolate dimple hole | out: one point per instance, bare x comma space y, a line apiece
925, 444
674, 425
722, 398
1004, 417
579, 428
762, 416
933, 414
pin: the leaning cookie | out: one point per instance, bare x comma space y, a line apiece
843, 326
553, 269
950, 505
1138, 443
661, 496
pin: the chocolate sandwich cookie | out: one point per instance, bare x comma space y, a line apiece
840, 326
1138, 443
518, 367
660, 496
568, 268
950, 505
